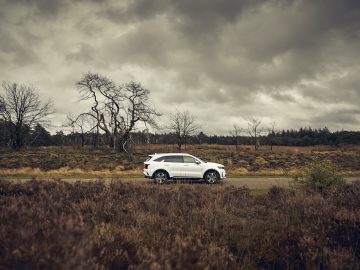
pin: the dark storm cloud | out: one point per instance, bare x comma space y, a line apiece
16, 50
201, 12
277, 59
245, 43
43, 8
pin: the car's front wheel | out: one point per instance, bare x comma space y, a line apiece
211, 177
160, 177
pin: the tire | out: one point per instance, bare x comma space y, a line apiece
211, 177
160, 177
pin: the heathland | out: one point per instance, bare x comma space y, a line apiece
57, 225
57, 162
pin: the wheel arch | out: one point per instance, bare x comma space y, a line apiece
162, 170
209, 170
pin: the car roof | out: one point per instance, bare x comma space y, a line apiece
169, 154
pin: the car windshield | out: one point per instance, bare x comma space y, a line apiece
199, 160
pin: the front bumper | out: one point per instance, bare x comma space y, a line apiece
222, 174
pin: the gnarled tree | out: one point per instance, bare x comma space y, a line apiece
21, 108
116, 109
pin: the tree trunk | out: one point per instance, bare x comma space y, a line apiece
179, 142
82, 140
125, 143
95, 137
112, 141
17, 138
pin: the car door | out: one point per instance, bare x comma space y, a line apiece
192, 168
175, 165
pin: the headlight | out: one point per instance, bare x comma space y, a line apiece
221, 167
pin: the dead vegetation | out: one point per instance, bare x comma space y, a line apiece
87, 162
57, 225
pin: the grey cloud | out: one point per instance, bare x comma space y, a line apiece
132, 11
19, 52
85, 53
339, 117
283, 97
187, 12
41, 7
146, 45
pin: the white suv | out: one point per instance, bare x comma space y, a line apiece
166, 166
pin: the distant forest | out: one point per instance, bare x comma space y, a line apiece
39, 136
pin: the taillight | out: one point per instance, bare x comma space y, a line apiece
146, 166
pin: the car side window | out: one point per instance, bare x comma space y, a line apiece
188, 159
174, 159
160, 159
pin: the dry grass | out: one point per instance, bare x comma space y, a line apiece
66, 172
57, 225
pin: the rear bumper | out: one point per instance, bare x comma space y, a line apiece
147, 175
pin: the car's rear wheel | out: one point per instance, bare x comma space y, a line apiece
160, 177
211, 177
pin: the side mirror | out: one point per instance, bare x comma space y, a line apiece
197, 162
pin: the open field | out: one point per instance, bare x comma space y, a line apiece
67, 162
58, 225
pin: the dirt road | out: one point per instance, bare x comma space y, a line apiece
250, 182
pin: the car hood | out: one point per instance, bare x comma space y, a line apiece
214, 164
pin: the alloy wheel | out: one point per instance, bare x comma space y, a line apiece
160, 178
211, 177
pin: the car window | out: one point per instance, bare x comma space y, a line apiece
188, 159
160, 159
174, 159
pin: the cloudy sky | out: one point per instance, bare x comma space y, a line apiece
227, 61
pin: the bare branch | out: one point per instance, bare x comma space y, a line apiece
183, 124
236, 132
21, 106
255, 130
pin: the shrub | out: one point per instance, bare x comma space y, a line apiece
321, 176
259, 163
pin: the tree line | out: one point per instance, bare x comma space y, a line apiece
115, 112
40, 136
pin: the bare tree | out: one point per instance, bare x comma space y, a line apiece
271, 134
136, 109
255, 130
236, 132
116, 109
183, 125
82, 125
22, 108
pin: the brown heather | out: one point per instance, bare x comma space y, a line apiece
68, 162
90, 225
